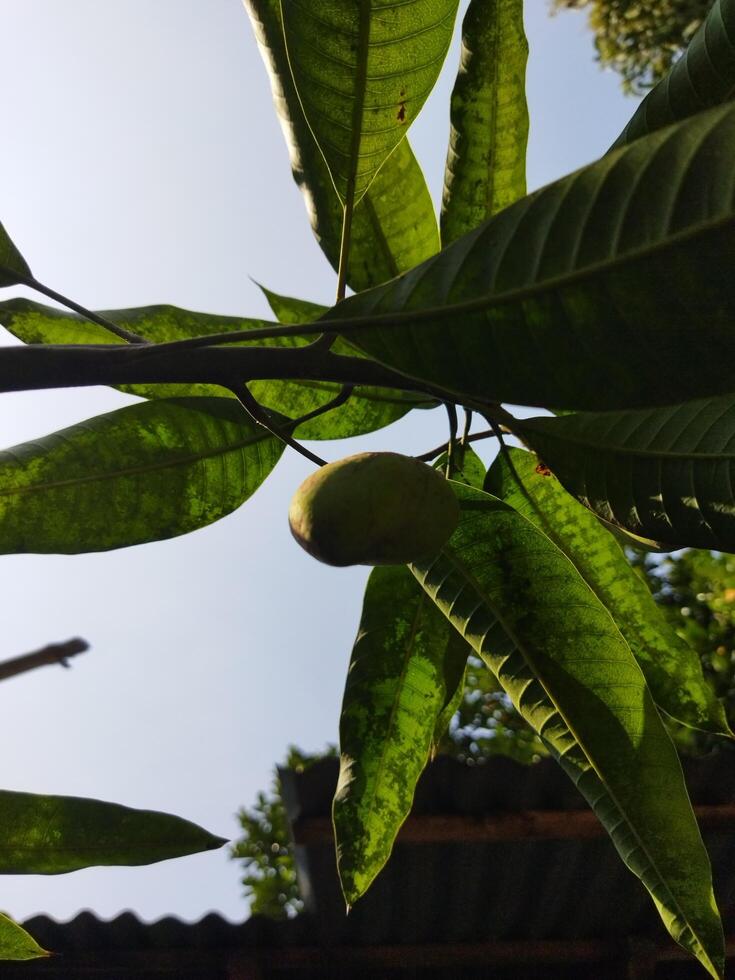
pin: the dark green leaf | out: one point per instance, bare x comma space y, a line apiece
406, 667
594, 293
54, 834
524, 608
704, 76
394, 226
13, 267
672, 668
665, 474
16, 943
486, 164
144, 473
362, 72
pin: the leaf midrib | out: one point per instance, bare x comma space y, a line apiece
489, 301
605, 447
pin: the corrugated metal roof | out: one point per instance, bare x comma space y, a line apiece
520, 889
507, 910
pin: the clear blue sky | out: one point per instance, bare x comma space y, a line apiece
143, 163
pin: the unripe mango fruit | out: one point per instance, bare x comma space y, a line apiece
373, 509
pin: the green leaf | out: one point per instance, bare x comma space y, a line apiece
143, 473
664, 474
394, 226
486, 163
288, 309
16, 943
593, 293
368, 409
362, 72
54, 834
468, 467
13, 267
524, 608
405, 670
704, 76
671, 667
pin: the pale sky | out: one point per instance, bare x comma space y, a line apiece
143, 164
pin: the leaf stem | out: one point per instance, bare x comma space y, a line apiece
452, 416
259, 415
338, 400
102, 321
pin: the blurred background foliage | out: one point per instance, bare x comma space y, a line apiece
640, 40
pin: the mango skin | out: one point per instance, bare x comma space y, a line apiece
373, 509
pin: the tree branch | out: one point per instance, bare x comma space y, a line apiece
38, 366
54, 653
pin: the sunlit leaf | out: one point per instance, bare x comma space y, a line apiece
672, 668
143, 473
486, 163
13, 267
55, 834
406, 668
16, 943
362, 72
525, 609
394, 226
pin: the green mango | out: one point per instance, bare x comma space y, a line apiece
373, 509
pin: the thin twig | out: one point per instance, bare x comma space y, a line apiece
259, 415
338, 400
102, 321
54, 653
475, 437
467, 426
452, 416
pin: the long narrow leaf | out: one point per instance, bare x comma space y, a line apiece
486, 163
362, 72
704, 76
55, 834
524, 608
666, 474
143, 473
604, 290
394, 226
672, 668
16, 943
406, 667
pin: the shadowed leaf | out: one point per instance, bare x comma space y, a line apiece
666, 474
593, 293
